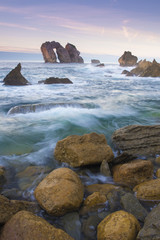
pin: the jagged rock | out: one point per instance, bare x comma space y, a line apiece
69, 54
151, 228
127, 59
25, 225
15, 77
74, 53
60, 192
138, 139
118, 225
127, 73
104, 169
149, 190
10, 207
83, 150
134, 172
55, 80
95, 61
147, 69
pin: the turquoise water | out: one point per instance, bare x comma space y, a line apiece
100, 100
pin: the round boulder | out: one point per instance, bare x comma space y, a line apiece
83, 150
60, 192
25, 225
134, 172
118, 225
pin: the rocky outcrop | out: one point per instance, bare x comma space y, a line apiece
145, 69
149, 190
69, 54
15, 77
118, 225
10, 207
83, 150
151, 228
138, 139
134, 172
60, 192
127, 59
95, 61
56, 80
25, 225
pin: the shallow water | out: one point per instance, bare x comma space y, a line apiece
99, 100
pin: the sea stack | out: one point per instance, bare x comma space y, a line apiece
127, 59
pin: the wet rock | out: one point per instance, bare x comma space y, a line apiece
148, 190
114, 198
123, 158
72, 225
15, 77
12, 193
147, 69
95, 61
132, 205
90, 226
158, 173
127, 73
10, 207
55, 80
60, 192
63, 55
83, 150
151, 228
2, 176
25, 225
94, 199
118, 225
134, 172
104, 169
101, 188
74, 53
157, 160
127, 59
138, 140
100, 65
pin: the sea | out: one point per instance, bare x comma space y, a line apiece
100, 100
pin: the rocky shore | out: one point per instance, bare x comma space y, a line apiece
124, 207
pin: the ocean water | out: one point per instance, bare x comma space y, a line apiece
100, 100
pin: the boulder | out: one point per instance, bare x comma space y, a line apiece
147, 69
132, 205
95, 199
74, 53
15, 77
69, 54
105, 169
118, 225
95, 61
151, 228
149, 190
60, 192
101, 188
134, 172
25, 225
138, 140
127, 59
83, 150
10, 207
56, 80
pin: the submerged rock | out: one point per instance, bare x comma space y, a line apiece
83, 150
138, 140
69, 54
101, 188
151, 228
127, 59
55, 80
25, 225
60, 192
134, 172
15, 77
118, 225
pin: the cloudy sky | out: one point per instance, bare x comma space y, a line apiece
99, 27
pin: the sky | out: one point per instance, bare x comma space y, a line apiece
97, 27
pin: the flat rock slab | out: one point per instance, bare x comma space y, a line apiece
138, 140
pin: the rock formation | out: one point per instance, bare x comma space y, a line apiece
15, 77
95, 61
138, 140
127, 59
69, 54
56, 80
